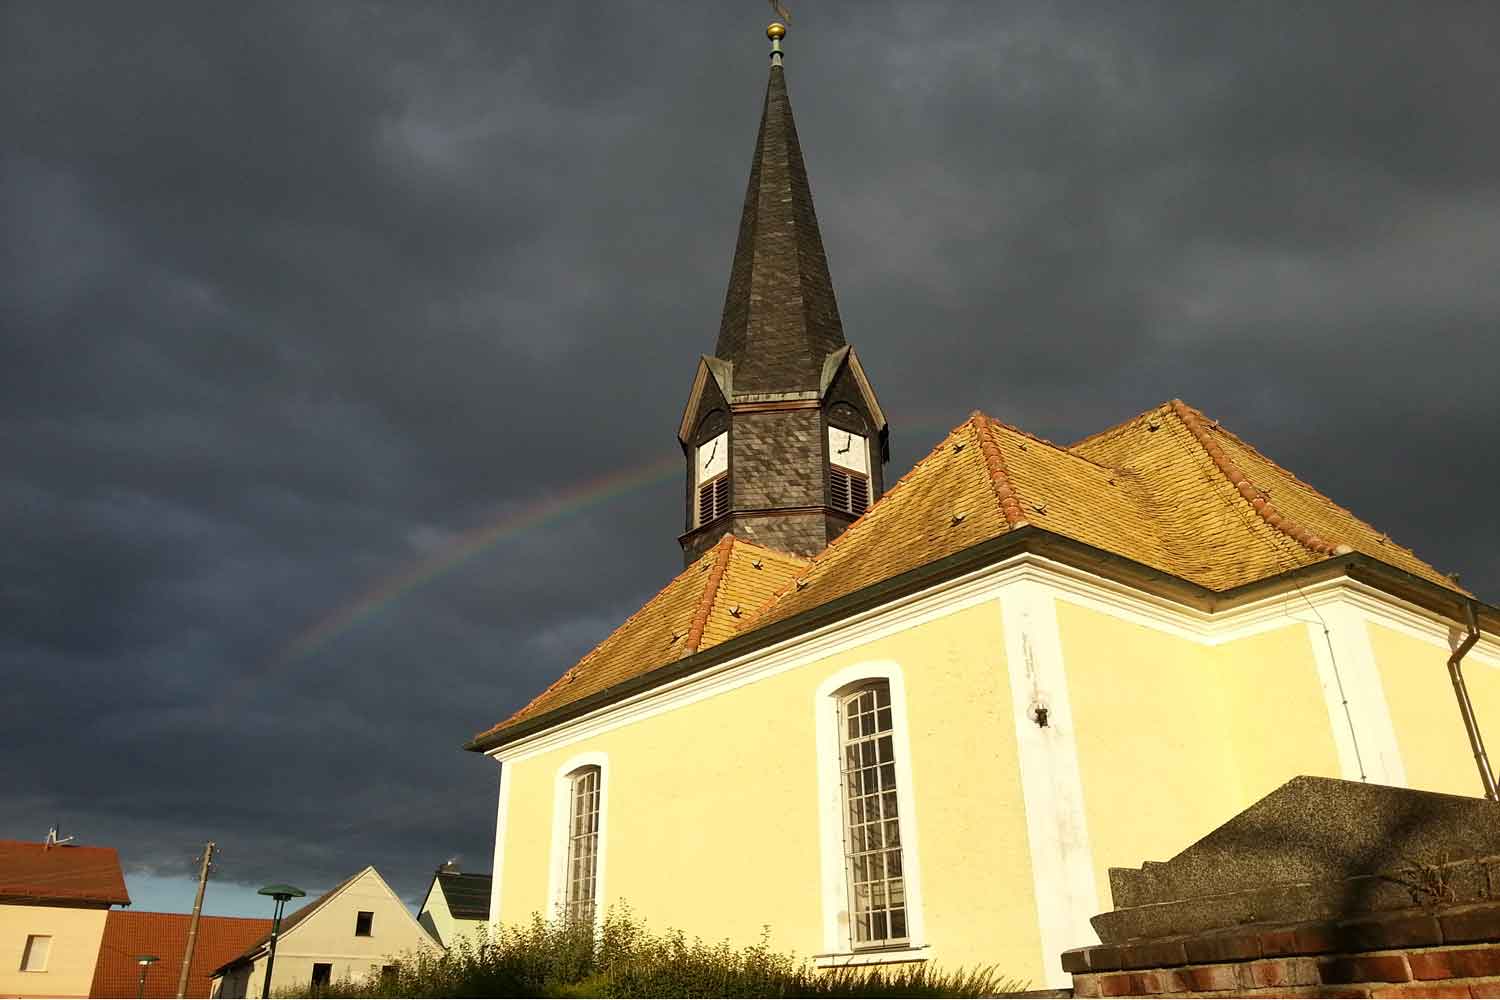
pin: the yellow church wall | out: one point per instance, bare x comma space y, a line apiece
690, 845
713, 806
1175, 736
1149, 718
1274, 711
1424, 709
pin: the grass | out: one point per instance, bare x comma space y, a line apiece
625, 959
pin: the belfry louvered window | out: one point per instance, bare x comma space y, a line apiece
848, 491
583, 844
872, 825
713, 499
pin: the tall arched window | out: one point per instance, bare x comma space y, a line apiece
872, 824
581, 874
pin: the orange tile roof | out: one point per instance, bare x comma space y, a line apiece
1282, 521
128, 934
704, 605
1169, 489
60, 874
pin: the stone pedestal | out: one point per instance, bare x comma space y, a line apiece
1322, 888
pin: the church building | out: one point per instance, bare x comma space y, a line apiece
919, 721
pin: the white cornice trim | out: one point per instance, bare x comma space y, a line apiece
1062, 858
1297, 604
497, 871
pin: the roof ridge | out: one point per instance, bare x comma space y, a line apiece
1060, 449
721, 552
1312, 489
816, 561
1123, 425
1268, 512
994, 464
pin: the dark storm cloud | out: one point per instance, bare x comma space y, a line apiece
294, 297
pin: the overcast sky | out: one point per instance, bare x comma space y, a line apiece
343, 343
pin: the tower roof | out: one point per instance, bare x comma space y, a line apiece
780, 318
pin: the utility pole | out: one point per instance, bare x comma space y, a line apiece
192, 938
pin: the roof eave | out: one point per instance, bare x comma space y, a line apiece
1028, 538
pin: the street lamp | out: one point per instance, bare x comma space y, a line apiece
145, 963
280, 893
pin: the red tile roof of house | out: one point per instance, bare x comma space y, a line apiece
128, 934
60, 874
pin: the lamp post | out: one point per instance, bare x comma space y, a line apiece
145, 963
280, 893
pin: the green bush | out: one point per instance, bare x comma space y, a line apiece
561, 959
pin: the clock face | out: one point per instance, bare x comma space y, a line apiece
848, 450
713, 457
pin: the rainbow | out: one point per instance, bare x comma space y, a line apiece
479, 540
473, 544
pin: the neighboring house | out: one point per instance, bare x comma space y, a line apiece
1023, 664
354, 930
457, 904
54, 900
129, 934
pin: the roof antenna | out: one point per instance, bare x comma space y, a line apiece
776, 30
52, 838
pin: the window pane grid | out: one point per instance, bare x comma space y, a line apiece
872, 848
583, 846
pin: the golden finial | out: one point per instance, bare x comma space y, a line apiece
776, 31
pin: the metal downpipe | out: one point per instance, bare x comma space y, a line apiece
1466, 709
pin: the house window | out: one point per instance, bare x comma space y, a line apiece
583, 844
34, 957
322, 975
363, 922
872, 826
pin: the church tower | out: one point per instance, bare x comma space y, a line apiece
784, 440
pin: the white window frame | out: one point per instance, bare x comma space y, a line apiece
562, 804
28, 963
838, 940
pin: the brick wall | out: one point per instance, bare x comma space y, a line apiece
1451, 951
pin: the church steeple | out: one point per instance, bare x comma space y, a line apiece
784, 438
780, 317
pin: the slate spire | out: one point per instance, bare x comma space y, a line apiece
784, 439
780, 318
